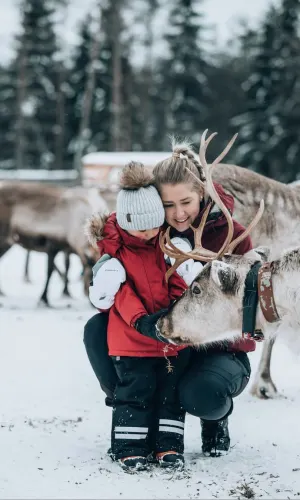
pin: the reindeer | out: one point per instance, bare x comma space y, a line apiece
278, 228
64, 276
48, 219
100, 205
220, 287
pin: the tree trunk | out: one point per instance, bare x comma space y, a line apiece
87, 99
60, 118
21, 93
117, 79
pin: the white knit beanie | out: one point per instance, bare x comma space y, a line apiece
139, 206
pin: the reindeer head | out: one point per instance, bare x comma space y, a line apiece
212, 307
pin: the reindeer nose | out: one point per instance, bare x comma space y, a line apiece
163, 326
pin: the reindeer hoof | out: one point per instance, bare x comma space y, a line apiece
43, 304
264, 389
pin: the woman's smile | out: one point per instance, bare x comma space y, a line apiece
181, 205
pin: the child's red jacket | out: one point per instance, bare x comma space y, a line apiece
144, 292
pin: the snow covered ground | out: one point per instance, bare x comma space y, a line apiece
55, 428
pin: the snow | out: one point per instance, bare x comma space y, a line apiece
120, 158
55, 428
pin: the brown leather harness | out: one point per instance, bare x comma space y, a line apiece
258, 288
265, 293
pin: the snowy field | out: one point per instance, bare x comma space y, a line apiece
55, 428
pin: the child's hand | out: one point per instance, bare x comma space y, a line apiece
194, 271
146, 325
106, 283
189, 269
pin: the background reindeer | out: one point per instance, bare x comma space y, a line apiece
101, 205
48, 219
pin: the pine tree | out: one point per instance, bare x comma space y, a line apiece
256, 127
145, 78
100, 133
77, 82
36, 87
7, 115
287, 112
186, 71
269, 130
99, 126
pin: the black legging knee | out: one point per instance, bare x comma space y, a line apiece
213, 379
95, 340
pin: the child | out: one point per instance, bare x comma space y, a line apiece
146, 413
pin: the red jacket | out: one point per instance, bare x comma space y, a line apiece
144, 292
214, 234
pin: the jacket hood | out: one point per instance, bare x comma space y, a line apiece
94, 228
105, 233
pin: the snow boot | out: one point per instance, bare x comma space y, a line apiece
134, 463
215, 437
170, 459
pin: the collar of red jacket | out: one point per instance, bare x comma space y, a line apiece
114, 237
220, 218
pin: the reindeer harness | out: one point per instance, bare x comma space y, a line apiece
258, 289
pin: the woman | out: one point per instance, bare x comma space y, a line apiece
217, 374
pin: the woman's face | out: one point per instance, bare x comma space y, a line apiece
181, 204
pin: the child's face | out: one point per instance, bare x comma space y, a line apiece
146, 235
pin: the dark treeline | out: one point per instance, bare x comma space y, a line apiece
57, 107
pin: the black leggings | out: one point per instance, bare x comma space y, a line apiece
207, 387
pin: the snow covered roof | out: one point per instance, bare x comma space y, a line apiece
38, 175
119, 159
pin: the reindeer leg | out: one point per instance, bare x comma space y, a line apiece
59, 272
50, 268
26, 271
263, 386
66, 292
3, 250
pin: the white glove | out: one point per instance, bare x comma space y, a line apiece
106, 284
189, 269
191, 275
185, 246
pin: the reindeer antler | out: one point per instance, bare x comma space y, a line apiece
199, 252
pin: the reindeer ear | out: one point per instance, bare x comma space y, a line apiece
264, 252
224, 276
258, 254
